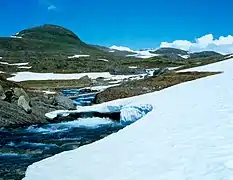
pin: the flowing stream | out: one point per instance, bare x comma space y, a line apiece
21, 147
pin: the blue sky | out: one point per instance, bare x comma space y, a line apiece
137, 24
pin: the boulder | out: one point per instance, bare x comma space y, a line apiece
2, 94
64, 102
21, 92
24, 104
85, 79
11, 115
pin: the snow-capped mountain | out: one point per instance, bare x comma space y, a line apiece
137, 54
168, 52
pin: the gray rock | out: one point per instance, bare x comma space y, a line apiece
64, 102
2, 94
24, 103
21, 92
13, 115
160, 71
85, 79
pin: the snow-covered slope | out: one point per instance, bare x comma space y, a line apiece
188, 135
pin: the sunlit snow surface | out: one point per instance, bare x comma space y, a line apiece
188, 135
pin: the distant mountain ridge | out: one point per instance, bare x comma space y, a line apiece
51, 48
168, 52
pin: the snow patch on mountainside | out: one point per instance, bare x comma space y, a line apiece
25, 67
187, 135
78, 56
121, 48
103, 60
19, 37
132, 67
14, 64
143, 54
184, 56
138, 54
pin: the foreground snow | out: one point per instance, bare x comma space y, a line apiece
188, 135
27, 76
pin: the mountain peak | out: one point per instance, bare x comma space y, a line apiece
48, 32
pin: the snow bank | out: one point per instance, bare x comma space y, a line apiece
214, 67
132, 113
188, 135
78, 56
129, 113
26, 76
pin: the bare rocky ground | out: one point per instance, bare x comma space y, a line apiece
12, 109
147, 85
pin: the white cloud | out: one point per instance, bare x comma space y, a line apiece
52, 7
222, 45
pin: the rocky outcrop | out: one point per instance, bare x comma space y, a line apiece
23, 102
17, 108
21, 92
64, 102
85, 79
13, 115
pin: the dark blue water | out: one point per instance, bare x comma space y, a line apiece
21, 147
86, 96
